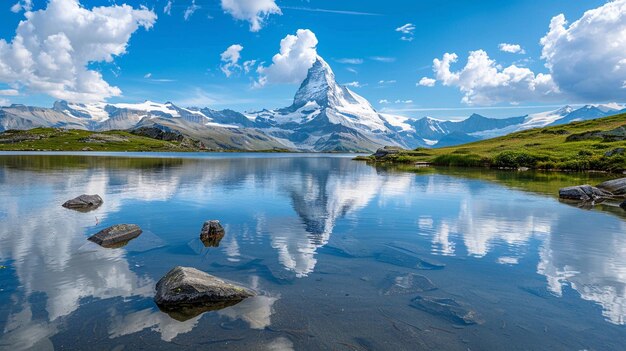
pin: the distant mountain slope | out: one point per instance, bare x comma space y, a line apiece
324, 116
597, 144
455, 138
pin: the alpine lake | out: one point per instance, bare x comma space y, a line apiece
343, 255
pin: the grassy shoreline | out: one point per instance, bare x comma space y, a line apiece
596, 145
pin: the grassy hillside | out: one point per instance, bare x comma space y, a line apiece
590, 145
52, 139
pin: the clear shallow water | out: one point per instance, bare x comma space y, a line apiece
322, 238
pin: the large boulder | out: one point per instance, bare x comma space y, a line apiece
212, 233
116, 236
84, 202
185, 292
615, 186
583, 193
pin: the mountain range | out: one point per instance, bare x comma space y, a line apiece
324, 117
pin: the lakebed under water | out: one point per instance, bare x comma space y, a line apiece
343, 254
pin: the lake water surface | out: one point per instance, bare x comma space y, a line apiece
333, 246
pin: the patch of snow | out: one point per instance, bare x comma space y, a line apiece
150, 106
399, 122
213, 124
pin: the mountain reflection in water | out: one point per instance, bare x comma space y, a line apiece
280, 213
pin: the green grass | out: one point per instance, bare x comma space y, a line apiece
53, 139
541, 148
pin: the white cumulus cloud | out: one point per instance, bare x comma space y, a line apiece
511, 48
25, 5
249, 65
230, 59
253, 11
483, 82
427, 82
585, 58
53, 47
354, 84
297, 54
4, 102
586, 61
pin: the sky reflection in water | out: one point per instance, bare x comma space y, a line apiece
306, 232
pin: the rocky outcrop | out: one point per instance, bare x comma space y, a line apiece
387, 150
583, 193
84, 202
185, 292
447, 308
212, 233
616, 134
116, 236
615, 186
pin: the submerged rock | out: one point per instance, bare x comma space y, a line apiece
212, 233
84, 202
405, 258
116, 236
409, 283
583, 193
615, 186
185, 292
447, 308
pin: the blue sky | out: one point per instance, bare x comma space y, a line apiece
178, 59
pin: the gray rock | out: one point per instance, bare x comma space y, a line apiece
583, 193
615, 186
84, 202
116, 236
186, 291
447, 308
409, 283
616, 151
212, 233
405, 258
387, 150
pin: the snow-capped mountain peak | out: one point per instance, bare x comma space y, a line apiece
567, 109
319, 85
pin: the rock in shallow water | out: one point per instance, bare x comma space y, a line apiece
404, 258
185, 292
84, 202
116, 236
623, 205
212, 233
409, 283
615, 186
446, 308
583, 193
